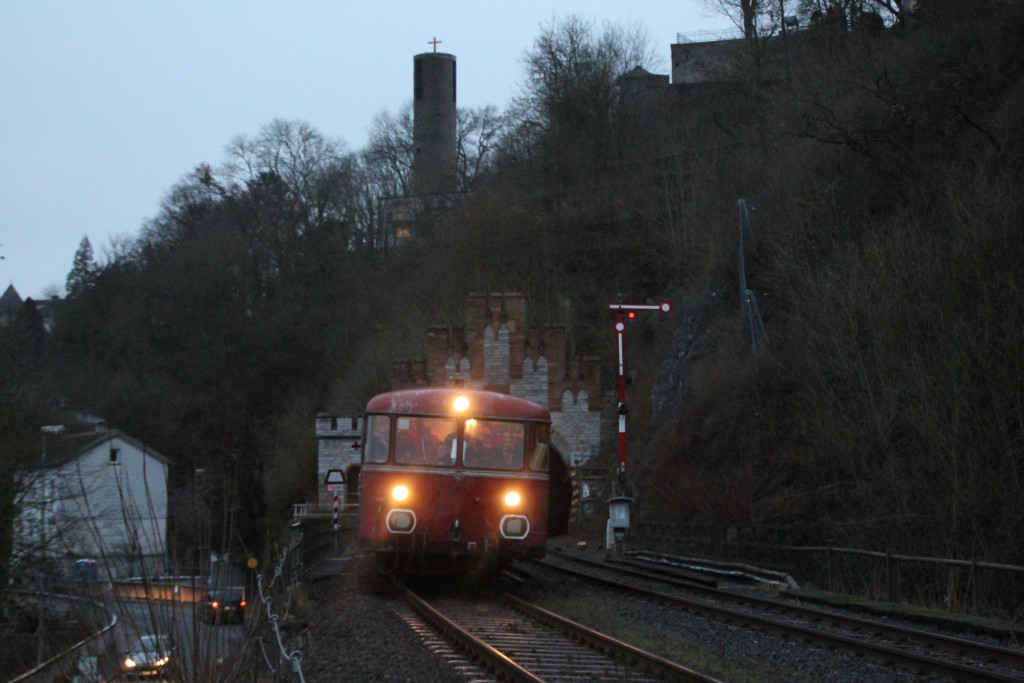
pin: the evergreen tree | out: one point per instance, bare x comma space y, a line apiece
82, 277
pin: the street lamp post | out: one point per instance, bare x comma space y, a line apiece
43, 504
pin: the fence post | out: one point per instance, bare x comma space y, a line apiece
974, 584
828, 567
889, 588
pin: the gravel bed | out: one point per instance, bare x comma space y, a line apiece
358, 635
729, 652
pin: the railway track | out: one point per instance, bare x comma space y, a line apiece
513, 640
912, 649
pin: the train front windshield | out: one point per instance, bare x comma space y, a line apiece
493, 445
445, 442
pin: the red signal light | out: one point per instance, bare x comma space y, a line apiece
631, 315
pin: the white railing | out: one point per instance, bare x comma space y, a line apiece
709, 36
300, 510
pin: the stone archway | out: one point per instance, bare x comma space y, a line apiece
560, 490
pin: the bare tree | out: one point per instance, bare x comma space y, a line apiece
387, 158
311, 168
568, 101
755, 18
477, 132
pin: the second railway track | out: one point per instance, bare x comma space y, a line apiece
514, 640
914, 650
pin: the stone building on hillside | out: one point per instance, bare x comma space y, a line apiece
495, 350
11, 305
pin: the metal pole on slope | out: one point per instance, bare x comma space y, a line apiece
751, 312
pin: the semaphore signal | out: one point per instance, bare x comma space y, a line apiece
620, 502
628, 312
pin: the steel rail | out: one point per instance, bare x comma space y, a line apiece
487, 655
879, 652
660, 667
507, 668
1007, 656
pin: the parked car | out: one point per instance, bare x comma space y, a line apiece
149, 655
224, 606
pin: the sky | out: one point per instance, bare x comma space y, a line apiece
106, 104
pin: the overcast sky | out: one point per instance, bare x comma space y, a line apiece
104, 105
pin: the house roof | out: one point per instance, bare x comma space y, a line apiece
68, 447
637, 72
10, 302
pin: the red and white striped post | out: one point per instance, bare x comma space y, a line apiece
628, 311
334, 479
619, 503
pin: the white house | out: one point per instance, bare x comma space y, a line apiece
98, 495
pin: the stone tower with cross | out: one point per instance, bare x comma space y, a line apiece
434, 169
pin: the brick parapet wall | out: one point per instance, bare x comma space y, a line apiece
496, 350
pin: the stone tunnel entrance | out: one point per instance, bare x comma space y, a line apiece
559, 496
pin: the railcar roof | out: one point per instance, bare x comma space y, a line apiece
438, 401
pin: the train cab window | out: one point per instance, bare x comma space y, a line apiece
377, 437
494, 445
425, 441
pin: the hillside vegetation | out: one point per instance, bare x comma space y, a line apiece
882, 169
887, 408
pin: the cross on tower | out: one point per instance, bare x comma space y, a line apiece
434, 42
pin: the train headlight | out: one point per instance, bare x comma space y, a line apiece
460, 404
515, 527
512, 499
400, 492
401, 521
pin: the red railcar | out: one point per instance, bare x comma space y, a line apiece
454, 479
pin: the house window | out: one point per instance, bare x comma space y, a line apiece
113, 455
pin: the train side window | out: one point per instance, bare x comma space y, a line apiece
539, 450
378, 429
539, 458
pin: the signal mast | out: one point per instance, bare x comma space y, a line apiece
619, 505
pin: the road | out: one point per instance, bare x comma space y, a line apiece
198, 647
